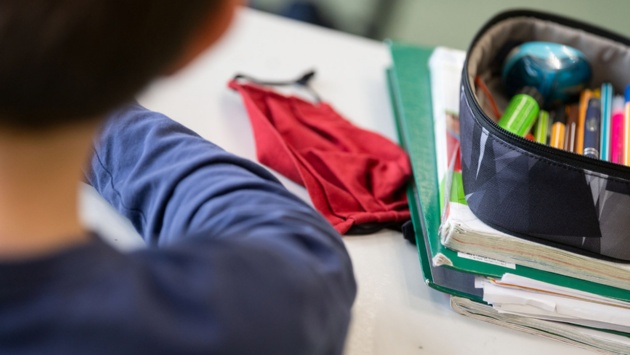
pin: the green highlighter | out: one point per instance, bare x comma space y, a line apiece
522, 111
541, 129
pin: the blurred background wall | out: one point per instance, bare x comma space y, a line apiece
450, 23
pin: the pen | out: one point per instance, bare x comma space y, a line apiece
571, 128
592, 126
542, 127
558, 128
617, 132
626, 128
579, 139
606, 108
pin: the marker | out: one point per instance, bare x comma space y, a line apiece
521, 112
571, 128
626, 128
617, 132
542, 127
558, 128
592, 126
606, 108
579, 142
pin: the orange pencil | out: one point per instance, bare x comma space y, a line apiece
579, 137
571, 128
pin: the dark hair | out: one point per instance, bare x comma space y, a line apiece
63, 60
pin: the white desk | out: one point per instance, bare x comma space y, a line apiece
395, 312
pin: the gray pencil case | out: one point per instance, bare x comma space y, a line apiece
531, 190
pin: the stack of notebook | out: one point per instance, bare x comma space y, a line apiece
490, 275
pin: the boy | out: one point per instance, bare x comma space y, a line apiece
236, 264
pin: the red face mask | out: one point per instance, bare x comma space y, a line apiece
355, 178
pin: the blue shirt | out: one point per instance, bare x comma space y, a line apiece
236, 263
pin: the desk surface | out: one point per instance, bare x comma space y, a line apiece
395, 312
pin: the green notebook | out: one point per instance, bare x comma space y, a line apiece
410, 90
411, 63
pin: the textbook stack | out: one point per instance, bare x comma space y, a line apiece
491, 275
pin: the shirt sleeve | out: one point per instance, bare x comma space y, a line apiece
266, 271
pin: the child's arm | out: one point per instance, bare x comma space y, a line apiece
264, 270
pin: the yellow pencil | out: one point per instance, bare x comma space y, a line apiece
558, 127
579, 139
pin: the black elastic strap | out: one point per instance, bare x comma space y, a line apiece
409, 232
302, 81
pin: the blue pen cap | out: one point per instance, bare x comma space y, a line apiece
557, 71
627, 93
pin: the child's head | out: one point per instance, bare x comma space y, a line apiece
66, 60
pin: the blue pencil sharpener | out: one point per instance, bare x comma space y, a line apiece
557, 71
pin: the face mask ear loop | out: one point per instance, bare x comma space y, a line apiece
303, 81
